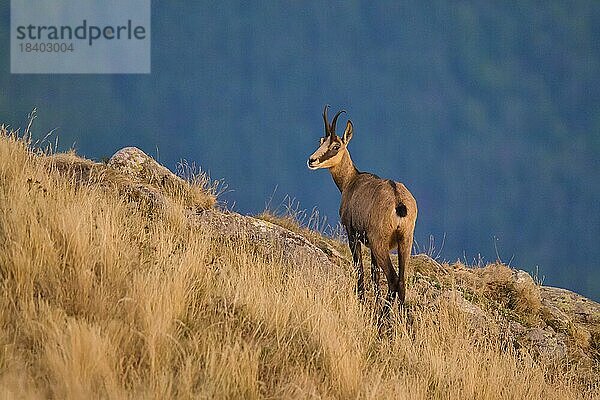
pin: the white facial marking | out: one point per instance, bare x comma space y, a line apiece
318, 153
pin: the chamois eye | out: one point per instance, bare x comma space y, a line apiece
335, 147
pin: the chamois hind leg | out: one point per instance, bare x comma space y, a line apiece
404, 248
355, 248
382, 256
375, 277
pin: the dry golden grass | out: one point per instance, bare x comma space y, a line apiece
99, 301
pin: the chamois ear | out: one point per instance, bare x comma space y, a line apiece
348, 132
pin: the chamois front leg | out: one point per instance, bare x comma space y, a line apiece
355, 248
375, 277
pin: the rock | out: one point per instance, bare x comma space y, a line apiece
475, 314
545, 343
135, 175
556, 318
426, 265
269, 238
81, 172
549, 322
516, 329
133, 162
522, 278
144, 170
575, 316
583, 310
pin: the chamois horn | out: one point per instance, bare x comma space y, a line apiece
327, 127
335, 121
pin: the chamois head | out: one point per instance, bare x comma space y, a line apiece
332, 147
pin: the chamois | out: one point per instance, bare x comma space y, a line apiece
378, 213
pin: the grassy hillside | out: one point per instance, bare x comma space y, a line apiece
101, 297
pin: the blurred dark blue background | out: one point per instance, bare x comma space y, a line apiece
488, 111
